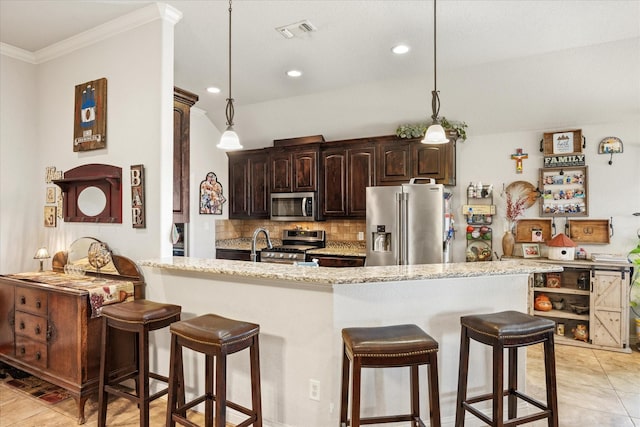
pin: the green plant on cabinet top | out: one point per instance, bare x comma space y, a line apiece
417, 130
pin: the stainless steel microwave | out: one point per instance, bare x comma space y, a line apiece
293, 206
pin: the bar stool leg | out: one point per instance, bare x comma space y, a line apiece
256, 396
208, 389
550, 373
434, 391
415, 395
462, 376
176, 381
221, 390
143, 375
498, 384
344, 401
355, 392
104, 377
512, 404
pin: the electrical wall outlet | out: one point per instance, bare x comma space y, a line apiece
314, 389
360, 235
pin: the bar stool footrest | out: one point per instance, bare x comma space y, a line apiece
390, 419
546, 412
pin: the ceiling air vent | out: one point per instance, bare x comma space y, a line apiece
297, 29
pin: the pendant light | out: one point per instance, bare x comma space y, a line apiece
229, 139
435, 133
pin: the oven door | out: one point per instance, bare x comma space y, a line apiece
293, 206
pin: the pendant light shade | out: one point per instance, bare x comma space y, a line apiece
229, 139
435, 133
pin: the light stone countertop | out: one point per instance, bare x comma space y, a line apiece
353, 275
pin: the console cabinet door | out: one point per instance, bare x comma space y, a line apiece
7, 316
608, 314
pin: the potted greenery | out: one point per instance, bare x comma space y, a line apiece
454, 129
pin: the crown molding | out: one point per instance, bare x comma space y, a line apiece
17, 53
101, 32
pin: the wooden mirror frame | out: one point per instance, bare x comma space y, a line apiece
106, 178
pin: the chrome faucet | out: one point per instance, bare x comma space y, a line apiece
254, 256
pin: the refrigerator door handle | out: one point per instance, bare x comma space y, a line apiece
403, 236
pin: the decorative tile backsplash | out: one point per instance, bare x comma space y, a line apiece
336, 230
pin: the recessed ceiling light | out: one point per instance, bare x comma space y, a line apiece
400, 49
213, 89
294, 73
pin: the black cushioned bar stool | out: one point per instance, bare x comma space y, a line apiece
216, 337
139, 317
387, 347
507, 330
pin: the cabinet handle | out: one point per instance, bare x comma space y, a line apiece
22, 350
49, 332
38, 356
38, 330
23, 300
38, 304
21, 325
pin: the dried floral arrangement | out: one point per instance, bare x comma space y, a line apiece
520, 196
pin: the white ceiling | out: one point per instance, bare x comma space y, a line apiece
352, 44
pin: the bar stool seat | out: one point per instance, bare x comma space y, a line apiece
216, 337
507, 330
139, 317
384, 347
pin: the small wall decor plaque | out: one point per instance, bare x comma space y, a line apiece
51, 174
50, 216
51, 195
610, 145
137, 197
90, 118
211, 197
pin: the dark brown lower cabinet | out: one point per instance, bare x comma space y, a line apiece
234, 254
337, 261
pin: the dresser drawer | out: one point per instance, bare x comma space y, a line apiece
31, 326
31, 352
31, 300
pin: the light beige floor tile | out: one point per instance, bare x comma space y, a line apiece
19, 409
631, 402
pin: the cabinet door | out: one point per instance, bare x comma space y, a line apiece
182, 102
238, 187
608, 309
259, 186
281, 167
334, 174
305, 170
7, 313
393, 162
360, 173
435, 161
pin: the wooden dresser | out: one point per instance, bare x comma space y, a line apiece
48, 331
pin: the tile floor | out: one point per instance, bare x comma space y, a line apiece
595, 389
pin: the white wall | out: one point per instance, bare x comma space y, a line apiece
20, 201
138, 65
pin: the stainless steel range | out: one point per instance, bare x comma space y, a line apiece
295, 244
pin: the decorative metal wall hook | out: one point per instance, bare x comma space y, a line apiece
610, 145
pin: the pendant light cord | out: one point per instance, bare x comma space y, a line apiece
229, 110
435, 97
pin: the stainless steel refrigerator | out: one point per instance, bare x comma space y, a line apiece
408, 224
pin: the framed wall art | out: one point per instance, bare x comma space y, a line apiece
564, 191
90, 116
137, 197
51, 195
50, 216
531, 250
211, 197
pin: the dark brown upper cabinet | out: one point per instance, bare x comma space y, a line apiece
249, 184
182, 103
294, 170
348, 168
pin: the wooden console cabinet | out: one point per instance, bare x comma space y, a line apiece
601, 287
48, 331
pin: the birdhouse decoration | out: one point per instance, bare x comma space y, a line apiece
561, 247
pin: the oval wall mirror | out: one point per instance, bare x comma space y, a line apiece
92, 201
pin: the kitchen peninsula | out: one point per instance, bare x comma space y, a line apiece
302, 310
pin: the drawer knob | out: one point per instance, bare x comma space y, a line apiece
23, 300
22, 350
37, 329
21, 325
38, 356
38, 304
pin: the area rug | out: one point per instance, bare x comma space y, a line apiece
46, 392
